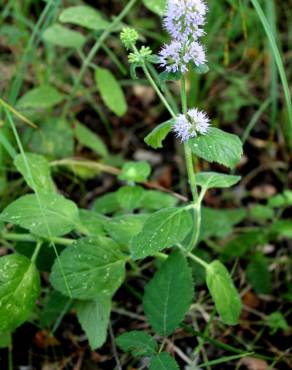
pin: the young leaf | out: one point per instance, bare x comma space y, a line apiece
90, 140
123, 228
45, 215
19, 288
276, 321
42, 97
91, 266
156, 6
64, 37
135, 171
258, 274
130, 197
218, 146
107, 204
163, 361
39, 177
156, 137
84, 16
139, 343
168, 295
94, 319
223, 292
208, 180
155, 200
111, 92
162, 230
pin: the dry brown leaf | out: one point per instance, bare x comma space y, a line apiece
254, 363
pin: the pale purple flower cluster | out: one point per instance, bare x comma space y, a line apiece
184, 20
190, 125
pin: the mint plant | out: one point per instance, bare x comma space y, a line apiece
90, 253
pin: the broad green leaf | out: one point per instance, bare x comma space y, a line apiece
129, 197
156, 6
123, 228
56, 304
138, 343
54, 139
45, 215
64, 37
162, 230
42, 97
5, 339
84, 16
276, 321
156, 200
107, 204
218, 146
281, 200
282, 228
90, 140
163, 361
92, 266
258, 274
169, 294
241, 244
219, 223
94, 319
19, 288
135, 171
224, 293
208, 180
260, 212
92, 221
156, 137
35, 170
110, 91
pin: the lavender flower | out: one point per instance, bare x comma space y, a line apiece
184, 19
190, 125
176, 56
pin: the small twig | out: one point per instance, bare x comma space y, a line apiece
114, 347
179, 352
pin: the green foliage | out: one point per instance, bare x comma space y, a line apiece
277, 321
35, 170
135, 171
111, 92
208, 180
258, 274
163, 361
90, 140
55, 305
84, 16
163, 229
168, 295
20, 286
224, 293
91, 266
156, 6
218, 146
42, 97
94, 319
156, 137
45, 215
140, 344
129, 197
64, 37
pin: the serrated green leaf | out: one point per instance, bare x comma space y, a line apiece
208, 180
225, 296
90, 140
168, 295
111, 91
92, 266
156, 137
123, 228
129, 197
218, 146
41, 97
155, 200
156, 6
94, 319
92, 221
84, 16
64, 37
19, 288
138, 343
258, 274
135, 171
163, 361
45, 215
162, 230
38, 177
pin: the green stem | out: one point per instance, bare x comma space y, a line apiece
93, 52
10, 357
198, 260
33, 239
36, 251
